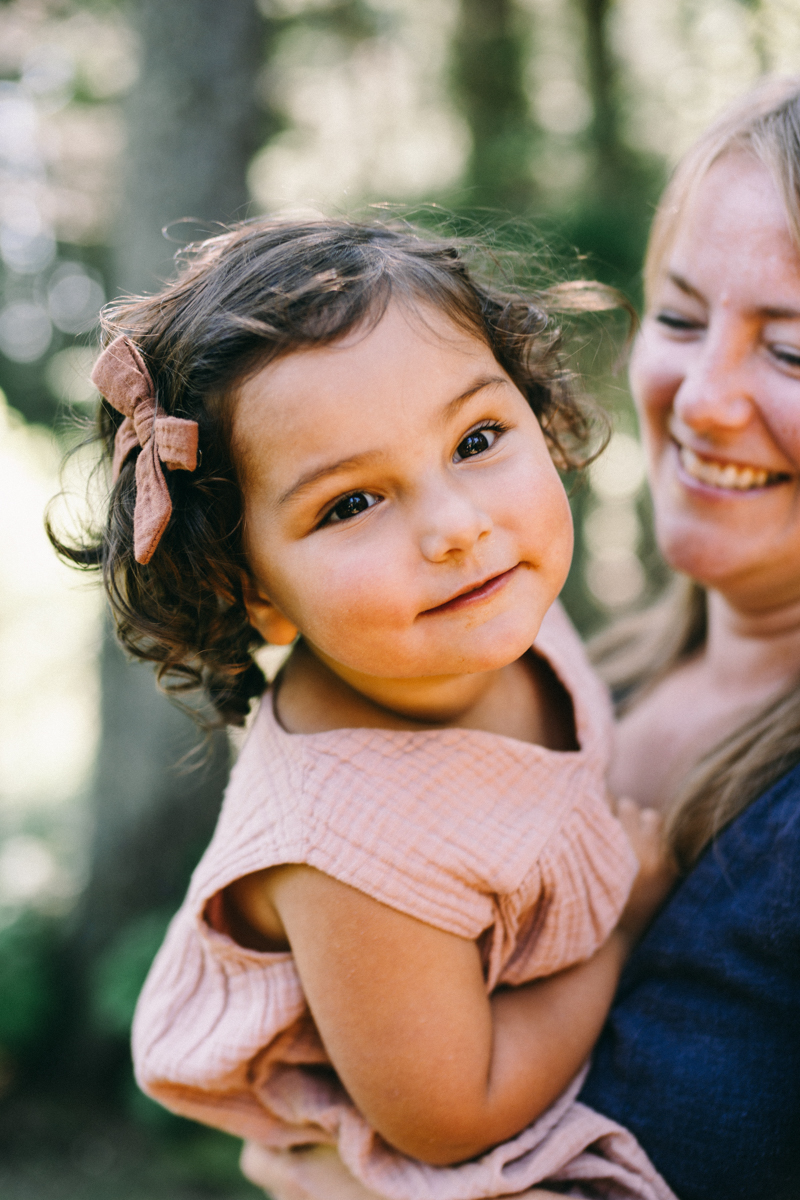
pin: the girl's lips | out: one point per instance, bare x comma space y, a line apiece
481, 592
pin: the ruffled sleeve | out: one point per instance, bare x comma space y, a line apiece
208, 1010
583, 877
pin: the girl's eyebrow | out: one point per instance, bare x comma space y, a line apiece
450, 410
452, 407
343, 464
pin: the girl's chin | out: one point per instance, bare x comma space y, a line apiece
473, 658
490, 653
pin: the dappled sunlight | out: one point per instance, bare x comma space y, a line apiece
49, 638
368, 121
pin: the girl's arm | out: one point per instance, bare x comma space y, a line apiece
438, 1068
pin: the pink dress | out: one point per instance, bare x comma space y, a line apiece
507, 843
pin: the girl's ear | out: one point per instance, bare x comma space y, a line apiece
264, 616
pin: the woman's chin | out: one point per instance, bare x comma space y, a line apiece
711, 555
751, 571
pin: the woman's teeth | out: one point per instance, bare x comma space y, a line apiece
741, 479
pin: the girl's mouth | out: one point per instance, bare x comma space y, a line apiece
480, 592
727, 476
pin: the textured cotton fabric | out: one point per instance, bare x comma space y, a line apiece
701, 1053
507, 843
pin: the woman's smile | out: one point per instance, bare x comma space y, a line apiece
722, 475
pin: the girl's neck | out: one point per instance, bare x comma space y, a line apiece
523, 700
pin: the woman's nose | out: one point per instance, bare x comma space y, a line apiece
452, 523
716, 393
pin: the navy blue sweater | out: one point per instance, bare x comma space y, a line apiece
700, 1057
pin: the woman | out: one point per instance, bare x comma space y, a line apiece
701, 1054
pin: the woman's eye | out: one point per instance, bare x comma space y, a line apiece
351, 506
674, 320
787, 354
476, 443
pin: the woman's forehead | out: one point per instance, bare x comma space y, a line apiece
734, 218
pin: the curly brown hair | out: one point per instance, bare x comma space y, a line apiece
257, 292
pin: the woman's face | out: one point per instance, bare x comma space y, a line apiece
716, 377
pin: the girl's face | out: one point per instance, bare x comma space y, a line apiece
716, 377
401, 507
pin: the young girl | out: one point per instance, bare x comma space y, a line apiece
403, 940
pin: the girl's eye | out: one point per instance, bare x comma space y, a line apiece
674, 320
351, 506
787, 354
476, 442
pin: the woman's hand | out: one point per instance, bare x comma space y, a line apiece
657, 868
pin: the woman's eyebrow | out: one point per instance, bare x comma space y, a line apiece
685, 286
779, 313
773, 312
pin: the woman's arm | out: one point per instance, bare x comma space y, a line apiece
442, 1071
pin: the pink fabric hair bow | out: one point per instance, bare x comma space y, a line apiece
121, 376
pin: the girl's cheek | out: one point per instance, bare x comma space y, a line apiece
537, 515
361, 583
563, 542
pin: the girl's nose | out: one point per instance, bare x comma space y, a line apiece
716, 394
452, 524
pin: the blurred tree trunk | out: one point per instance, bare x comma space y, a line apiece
193, 124
601, 75
609, 218
491, 53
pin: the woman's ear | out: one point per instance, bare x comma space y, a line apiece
264, 616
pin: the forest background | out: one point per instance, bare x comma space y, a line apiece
548, 125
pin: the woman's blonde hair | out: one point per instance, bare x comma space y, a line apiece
636, 653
